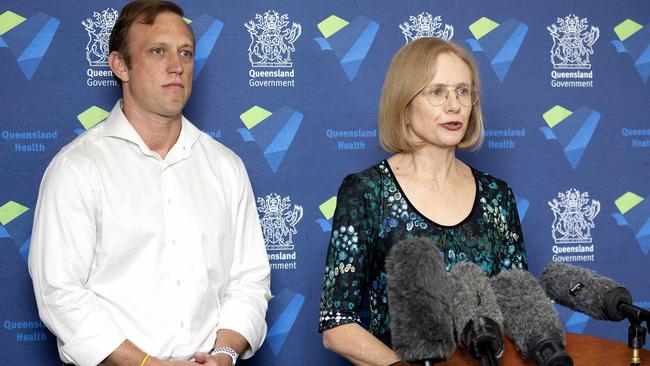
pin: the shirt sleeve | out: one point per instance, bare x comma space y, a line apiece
346, 263
60, 258
245, 303
513, 252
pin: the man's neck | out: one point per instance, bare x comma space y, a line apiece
159, 133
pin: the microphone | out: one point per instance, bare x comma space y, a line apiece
477, 318
529, 318
419, 302
585, 291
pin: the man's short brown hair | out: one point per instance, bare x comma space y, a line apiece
410, 71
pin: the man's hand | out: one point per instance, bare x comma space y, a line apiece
220, 359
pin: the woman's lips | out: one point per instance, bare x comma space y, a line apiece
452, 126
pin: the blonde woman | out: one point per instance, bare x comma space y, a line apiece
429, 108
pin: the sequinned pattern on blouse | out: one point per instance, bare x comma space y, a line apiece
372, 214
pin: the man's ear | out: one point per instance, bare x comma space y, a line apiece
118, 66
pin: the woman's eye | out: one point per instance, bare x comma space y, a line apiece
436, 91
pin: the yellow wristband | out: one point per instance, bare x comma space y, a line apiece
146, 357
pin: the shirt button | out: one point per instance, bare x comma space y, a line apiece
169, 200
182, 324
173, 242
178, 282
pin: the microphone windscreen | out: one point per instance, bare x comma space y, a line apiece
527, 312
583, 290
419, 301
473, 297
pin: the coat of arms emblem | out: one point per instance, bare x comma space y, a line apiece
425, 25
99, 32
271, 42
573, 42
574, 216
278, 226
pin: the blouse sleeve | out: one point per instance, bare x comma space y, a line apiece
346, 264
513, 254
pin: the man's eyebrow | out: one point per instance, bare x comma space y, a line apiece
166, 44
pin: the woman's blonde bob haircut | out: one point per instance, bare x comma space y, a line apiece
410, 71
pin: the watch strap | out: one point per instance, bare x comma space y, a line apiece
227, 350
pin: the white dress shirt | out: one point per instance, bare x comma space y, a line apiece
163, 252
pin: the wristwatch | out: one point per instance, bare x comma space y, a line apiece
227, 350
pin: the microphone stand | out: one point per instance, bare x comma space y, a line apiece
636, 340
488, 359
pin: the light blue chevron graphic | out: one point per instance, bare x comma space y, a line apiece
273, 132
3, 232
572, 130
522, 207
634, 39
206, 30
574, 322
349, 41
577, 323
327, 208
500, 42
27, 39
13, 220
634, 212
283, 311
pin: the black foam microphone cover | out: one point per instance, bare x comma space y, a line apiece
529, 318
585, 291
419, 302
478, 322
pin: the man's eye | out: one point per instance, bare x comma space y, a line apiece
157, 51
187, 54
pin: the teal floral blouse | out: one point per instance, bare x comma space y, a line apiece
372, 214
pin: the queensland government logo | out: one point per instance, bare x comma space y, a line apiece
27, 38
272, 43
573, 41
500, 42
278, 220
350, 41
572, 130
574, 213
99, 32
634, 39
425, 25
634, 212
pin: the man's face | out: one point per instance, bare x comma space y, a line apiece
159, 80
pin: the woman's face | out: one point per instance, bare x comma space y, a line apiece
441, 125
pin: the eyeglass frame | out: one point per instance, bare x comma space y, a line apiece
475, 94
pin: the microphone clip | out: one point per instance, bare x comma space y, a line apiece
483, 339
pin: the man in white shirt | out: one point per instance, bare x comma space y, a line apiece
146, 247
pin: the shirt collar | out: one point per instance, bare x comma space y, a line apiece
116, 125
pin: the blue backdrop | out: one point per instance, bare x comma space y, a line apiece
565, 98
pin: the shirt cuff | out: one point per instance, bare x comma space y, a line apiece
333, 318
94, 340
249, 324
